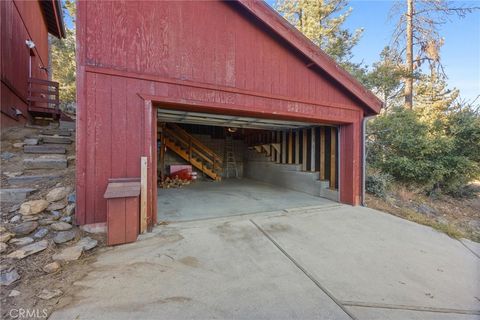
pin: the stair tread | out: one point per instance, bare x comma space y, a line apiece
195, 161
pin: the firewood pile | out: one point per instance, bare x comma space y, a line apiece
176, 182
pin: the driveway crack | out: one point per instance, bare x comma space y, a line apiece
308, 274
407, 307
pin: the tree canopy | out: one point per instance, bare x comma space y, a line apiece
62, 55
425, 136
322, 22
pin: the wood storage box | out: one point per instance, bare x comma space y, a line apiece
123, 210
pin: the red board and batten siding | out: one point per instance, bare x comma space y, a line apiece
20, 20
207, 56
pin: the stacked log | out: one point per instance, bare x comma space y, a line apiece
175, 182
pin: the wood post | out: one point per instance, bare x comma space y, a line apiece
322, 153
278, 159
190, 149
273, 153
304, 150
333, 157
290, 147
214, 160
160, 152
162, 157
313, 153
284, 147
143, 194
297, 147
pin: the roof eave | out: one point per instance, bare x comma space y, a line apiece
55, 24
289, 33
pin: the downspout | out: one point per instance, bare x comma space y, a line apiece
364, 160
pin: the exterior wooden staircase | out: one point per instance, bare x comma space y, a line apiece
193, 150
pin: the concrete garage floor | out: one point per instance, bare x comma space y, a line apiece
209, 199
333, 263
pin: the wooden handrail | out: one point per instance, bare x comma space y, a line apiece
170, 142
180, 131
43, 82
193, 148
44, 92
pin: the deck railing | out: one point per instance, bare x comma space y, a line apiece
42, 95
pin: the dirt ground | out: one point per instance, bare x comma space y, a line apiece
457, 217
34, 280
32, 277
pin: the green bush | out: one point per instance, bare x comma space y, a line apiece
435, 157
378, 184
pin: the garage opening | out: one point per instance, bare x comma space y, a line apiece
212, 165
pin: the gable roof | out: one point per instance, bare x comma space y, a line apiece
295, 38
52, 11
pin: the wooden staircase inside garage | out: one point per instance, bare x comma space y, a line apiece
192, 150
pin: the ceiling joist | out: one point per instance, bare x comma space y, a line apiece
166, 115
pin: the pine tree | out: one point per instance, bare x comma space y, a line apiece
417, 35
63, 64
385, 77
322, 22
434, 100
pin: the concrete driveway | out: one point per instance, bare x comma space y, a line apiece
330, 262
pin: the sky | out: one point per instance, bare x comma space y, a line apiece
460, 54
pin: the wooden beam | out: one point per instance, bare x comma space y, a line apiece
273, 153
322, 153
297, 147
290, 147
161, 151
162, 159
284, 146
333, 158
266, 148
278, 158
143, 194
276, 147
313, 153
304, 150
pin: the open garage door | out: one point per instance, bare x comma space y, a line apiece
242, 165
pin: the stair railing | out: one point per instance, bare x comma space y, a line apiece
43, 93
194, 147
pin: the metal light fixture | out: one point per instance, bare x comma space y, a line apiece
30, 44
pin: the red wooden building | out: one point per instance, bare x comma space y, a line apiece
155, 72
26, 90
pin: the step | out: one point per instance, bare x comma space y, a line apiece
55, 149
195, 161
55, 132
324, 184
15, 195
329, 194
46, 162
56, 139
31, 141
32, 179
67, 125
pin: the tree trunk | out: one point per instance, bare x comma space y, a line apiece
409, 56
